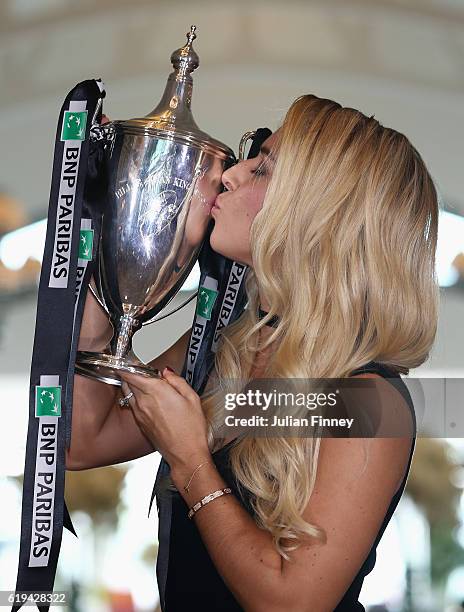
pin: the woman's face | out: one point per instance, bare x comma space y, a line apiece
235, 209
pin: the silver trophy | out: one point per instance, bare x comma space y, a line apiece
163, 175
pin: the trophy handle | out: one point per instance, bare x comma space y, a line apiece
172, 311
244, 139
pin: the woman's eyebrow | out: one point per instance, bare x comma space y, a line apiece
266, 151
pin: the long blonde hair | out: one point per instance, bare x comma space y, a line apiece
344, 252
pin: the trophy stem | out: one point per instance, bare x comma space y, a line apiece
121, 343
117, 356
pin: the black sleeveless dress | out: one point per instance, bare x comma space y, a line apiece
193, 583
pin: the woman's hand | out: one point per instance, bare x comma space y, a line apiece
169, 413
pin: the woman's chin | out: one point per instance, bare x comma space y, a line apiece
213, 243
219, 247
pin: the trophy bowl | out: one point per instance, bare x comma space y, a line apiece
162, 176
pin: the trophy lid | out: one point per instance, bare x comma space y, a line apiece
172, 118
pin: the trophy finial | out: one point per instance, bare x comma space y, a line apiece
191, 35
185, 60
173, 114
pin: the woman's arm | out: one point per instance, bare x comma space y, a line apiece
350, 500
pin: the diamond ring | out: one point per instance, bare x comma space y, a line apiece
124, 401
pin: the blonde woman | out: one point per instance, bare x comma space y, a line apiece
337, 218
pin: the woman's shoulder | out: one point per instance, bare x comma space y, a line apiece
394, 393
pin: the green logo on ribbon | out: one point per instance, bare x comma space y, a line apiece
85, 244
74, 123
206, 299
47, 401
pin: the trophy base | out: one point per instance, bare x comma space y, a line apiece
104, 367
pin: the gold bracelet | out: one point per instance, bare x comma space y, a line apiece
186, 487
194, 509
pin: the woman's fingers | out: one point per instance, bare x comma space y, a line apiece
104, 120
125, 390
179, 383
136, 381
144, 384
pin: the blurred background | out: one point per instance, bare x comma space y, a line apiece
401, 60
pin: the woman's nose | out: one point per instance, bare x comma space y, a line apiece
227, 180
236, 175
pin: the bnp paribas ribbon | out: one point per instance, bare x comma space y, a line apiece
72, 230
